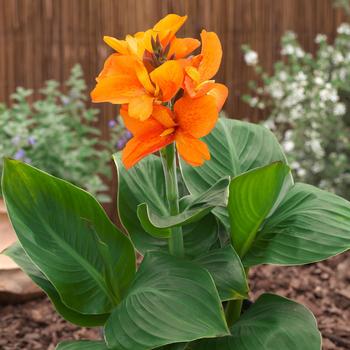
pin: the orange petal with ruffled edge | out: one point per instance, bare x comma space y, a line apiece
193, 151
219, 92
168, 77
117, 89
120, 46
140, 147
182, 47
211, 55
197, 117
137, 127
170, 23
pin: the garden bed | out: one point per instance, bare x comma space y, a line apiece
323, 287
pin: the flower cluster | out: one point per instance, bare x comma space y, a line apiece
166, 93
308, 102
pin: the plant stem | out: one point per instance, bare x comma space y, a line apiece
168, 155
233, 311
234, 307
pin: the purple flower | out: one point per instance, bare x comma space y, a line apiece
128, 134
120, 143
112, 123
20, 154
27, 160
31, 140
65, 100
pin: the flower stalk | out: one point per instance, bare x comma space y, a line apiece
168, 156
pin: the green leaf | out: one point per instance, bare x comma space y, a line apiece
195, 210
17, 253
82, 345
309, 225
252, 197
171, 301
272, 323
145, 182
235, 147
226, 268
68, 236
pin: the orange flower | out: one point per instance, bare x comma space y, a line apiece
190, 120
203, 67
125, 80
163, 34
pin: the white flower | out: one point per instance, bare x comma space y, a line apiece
344, 28
288, 135
295, 165
339, 109
320, 38
301, 76
276, 90
269, 124
261, 105
283, 76
318, 81
329, 94
301, 172
253, 102
337, 58
299, 52
288, 146
251, 58
316, 147
288, 50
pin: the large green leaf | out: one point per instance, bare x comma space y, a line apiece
195, 209
272, 323
226, 268
309, 225
252, 197
17, 253
145, 183
235, 147
171, 300
68, 236
82, 345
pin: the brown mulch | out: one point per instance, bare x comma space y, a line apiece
323, 287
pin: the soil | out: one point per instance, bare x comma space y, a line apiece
323, 287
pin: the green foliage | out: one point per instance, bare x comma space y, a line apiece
56, 134
307, 98
251, 213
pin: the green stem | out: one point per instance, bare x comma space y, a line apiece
234, 307
233, 311
168, 155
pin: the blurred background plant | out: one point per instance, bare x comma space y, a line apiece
57, 134
307, 98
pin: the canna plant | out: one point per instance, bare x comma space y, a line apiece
217, 199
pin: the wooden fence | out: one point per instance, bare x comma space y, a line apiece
43, 39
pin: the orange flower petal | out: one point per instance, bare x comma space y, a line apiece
120, 46
211, 53
140, 128
117, 64
182, 47
170, 23
192, 150
141, 107
168, 77
196, 117
117, 89
164, 116
140, 147
219, 92
144, 77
